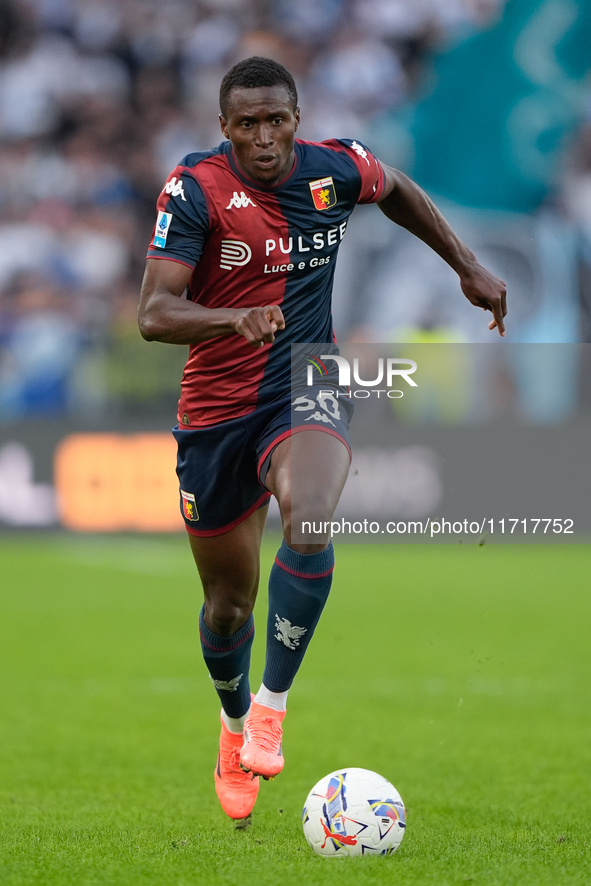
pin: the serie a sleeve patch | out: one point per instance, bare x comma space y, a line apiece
182, 222
162, 228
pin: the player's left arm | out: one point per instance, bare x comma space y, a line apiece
406, 204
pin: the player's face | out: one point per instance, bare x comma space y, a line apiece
261, 124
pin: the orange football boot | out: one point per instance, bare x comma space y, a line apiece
236, 789
261, 752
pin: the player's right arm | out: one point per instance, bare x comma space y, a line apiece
163, 315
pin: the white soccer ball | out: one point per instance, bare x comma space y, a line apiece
354, 812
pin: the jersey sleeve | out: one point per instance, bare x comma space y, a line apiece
182, 223
373, 180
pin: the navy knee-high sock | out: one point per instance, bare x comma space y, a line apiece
298, 589
228, 661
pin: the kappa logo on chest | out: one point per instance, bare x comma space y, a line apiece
240, 201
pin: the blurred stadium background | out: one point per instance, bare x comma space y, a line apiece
486, 103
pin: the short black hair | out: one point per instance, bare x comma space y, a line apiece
253, 72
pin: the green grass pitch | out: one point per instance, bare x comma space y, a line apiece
461, 673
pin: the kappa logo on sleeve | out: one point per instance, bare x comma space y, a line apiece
175, 188
189, 506
323, 193
162, 228
359, 149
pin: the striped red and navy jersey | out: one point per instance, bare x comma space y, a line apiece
252, 245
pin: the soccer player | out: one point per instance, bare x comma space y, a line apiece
249, 233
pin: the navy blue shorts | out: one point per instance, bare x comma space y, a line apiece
222, 468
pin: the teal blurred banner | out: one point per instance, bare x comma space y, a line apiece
501, 105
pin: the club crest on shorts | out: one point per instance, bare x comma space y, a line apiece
189, 506
323, 193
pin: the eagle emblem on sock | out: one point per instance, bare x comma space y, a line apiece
228, 685
287, 633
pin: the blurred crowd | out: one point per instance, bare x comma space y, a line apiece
99, 99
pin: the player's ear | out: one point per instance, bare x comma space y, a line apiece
224, 126
296, 115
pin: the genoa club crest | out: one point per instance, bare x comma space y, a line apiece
189, 506
323, 193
